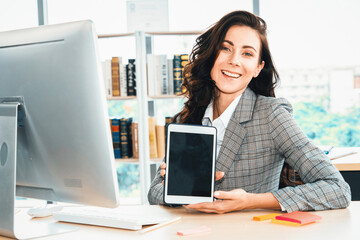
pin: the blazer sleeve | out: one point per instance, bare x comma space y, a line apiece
155, 194
324, 187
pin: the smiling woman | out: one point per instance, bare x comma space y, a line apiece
237, 63
229, 82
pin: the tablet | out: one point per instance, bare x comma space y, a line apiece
190, 164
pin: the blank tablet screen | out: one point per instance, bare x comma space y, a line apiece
190, 164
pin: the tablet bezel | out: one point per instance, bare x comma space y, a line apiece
197, 129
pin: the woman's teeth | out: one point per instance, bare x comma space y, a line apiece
234, 75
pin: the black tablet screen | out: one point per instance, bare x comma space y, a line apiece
190, 164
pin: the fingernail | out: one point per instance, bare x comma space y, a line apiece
216, 194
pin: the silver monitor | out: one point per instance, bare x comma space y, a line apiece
55, 136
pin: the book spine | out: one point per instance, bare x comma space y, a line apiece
115, 76
123, 80
131, 78
108, 79
163, 68
167, 121
177, 74
184, 62
157, 84
160, 140
129, 131
171, 76
115, 132
124, 138
135, 139
152, 138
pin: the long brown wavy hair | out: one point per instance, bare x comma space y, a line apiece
200, 89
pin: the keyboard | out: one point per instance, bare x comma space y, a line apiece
106, 217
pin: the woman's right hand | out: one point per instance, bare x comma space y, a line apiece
218, 175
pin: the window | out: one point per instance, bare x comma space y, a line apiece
18, 14
319, 40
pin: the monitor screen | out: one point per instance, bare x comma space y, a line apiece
64, 147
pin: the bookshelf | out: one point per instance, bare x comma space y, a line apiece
142, 100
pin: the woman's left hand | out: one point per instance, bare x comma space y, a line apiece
226, 201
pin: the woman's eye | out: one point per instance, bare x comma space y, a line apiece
248, 54
225, 48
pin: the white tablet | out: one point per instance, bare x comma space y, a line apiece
190, 164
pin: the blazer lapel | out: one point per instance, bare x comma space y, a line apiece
235, 132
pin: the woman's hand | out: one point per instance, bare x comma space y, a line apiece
162, 171
225, 202
218, 175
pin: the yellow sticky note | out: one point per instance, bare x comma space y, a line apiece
266, 217
285, 222
288, 223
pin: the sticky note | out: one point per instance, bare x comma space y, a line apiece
265, 217
191, 231
299, 217
285, 222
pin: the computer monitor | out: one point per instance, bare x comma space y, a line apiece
54, 124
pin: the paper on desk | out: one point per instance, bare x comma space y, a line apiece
191, 231
298, 217
339, 153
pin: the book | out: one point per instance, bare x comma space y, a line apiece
129, 131
106, 67
115, 76
131, 77
160, 140
171, 76
163, 74
152, 138
167, 121
177, 74
135, 139
184, 62
158, 83
115, 133
123, 80
125, 141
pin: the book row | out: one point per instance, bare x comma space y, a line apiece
119, 78
125, 135
164, 75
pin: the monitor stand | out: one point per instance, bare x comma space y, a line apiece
11, 225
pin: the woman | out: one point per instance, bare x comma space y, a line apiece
229, 83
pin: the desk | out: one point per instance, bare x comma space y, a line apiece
336, 224
349, 167
348, 163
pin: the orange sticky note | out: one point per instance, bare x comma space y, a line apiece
265, 217
192, 231
299, 217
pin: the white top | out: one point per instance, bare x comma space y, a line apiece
221, 122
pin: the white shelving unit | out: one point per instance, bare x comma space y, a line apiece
142, 100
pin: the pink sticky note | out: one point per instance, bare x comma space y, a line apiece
192, 231
299, 217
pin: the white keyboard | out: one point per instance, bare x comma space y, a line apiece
106, 217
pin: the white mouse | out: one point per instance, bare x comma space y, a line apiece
44, 211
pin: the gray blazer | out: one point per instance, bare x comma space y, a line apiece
260, 136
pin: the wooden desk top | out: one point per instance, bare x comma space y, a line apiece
336, 224
347, 163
